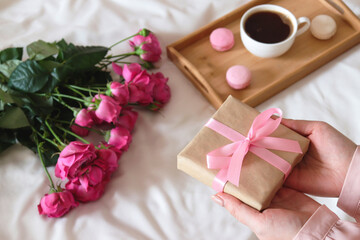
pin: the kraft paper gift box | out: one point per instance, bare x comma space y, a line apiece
259, 181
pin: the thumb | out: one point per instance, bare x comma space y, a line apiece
302, 127
242, 212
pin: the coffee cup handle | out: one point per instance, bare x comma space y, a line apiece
306, 22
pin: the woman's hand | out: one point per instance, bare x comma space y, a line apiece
287, 213
323, 169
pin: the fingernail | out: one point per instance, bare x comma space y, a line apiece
218, 200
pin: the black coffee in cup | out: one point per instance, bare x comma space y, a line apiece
268, 26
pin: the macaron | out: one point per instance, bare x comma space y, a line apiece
222, 39
323, 27
238, 77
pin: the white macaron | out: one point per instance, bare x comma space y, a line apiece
323, 27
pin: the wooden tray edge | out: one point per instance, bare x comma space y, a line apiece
339, 7
194, 76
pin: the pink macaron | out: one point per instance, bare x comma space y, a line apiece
238, 77
222, 39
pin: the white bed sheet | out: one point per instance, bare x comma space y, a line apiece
148, 198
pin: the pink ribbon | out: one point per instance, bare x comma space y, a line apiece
229, 158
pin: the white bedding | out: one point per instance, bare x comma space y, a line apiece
148, 198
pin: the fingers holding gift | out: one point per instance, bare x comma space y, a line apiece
242, 212
290, 199
285, 216
302, 127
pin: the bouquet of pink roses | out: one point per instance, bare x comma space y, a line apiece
52, 100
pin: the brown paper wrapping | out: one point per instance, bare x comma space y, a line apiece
259, 181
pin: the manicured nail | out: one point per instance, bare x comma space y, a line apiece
218, 200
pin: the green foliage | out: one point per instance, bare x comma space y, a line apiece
28, 77
77, 60
7, 139
8, 67
11, 54
40, 50
13, 118
27, 89
84, 58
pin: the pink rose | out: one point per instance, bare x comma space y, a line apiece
57, 204
101, 124
148, 48
135, 93
161, 91
120, 92
108, 109
127, 119
72, 157
89, 184
142, 80
140, 95
91, 110
130, 71
83, 193
90, 181
117, 69
109, 158
140, 88
105, 145
120, 138
91, 175
84, 119
81, 131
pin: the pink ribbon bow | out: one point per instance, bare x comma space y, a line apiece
229, 158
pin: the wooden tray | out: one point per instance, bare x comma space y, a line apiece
206, 68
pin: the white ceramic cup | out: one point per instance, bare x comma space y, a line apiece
269, 50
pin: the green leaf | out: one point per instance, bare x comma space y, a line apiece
4, 87
98, 77
49, 65
10, 96
9, 66
86, 58
7, 139
65, 50
25, 137
37, 106
40, 50
11, 54
6, 97
80, 57
62, 72
12, 118
76, 60
3, 79
53, 81
62, 45
50, 85
29, 77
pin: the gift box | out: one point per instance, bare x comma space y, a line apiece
243, 153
